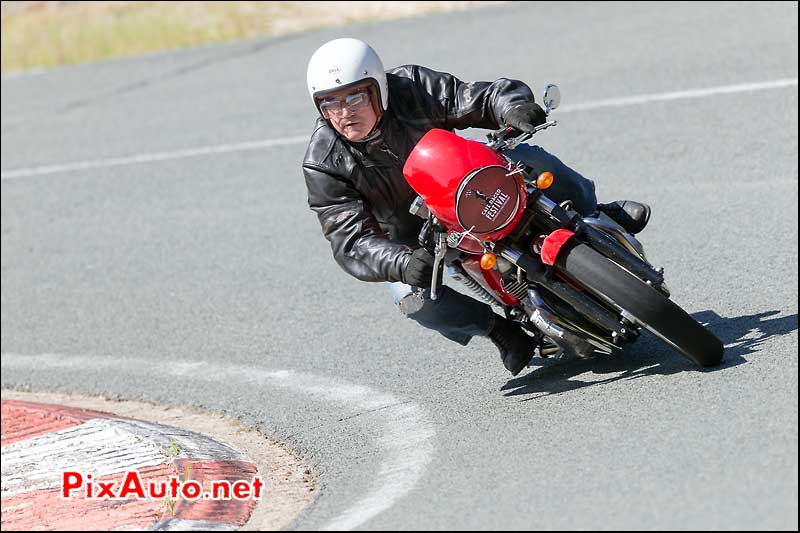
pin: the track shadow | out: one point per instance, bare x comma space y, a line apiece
742, 336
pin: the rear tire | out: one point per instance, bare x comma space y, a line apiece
649, 307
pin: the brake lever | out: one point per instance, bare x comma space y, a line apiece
439, 252
500, 144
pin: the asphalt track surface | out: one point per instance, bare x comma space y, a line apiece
203, 279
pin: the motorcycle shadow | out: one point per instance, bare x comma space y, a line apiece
742, 336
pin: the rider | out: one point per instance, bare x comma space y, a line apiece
370, 120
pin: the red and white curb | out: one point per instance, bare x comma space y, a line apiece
41, 441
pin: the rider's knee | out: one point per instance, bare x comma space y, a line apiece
586, 201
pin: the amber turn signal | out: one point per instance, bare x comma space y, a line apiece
488, 261
544, 180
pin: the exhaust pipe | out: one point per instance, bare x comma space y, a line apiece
542, 319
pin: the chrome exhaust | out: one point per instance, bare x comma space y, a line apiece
544, 320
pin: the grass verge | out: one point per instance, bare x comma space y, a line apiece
46, 34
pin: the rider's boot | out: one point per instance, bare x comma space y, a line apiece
633, 216
516, 347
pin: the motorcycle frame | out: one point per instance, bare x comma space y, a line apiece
595, 325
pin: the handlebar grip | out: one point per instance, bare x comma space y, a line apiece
508, 131
502, 134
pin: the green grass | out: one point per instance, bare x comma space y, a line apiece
174, 448
45, 34
74, 34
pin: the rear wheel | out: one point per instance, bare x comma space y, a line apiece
645, 305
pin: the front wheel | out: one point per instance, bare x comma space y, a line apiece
647, 306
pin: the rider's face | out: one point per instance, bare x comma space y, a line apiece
351, 113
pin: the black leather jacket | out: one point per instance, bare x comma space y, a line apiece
358, 190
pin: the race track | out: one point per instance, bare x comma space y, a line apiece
157, 245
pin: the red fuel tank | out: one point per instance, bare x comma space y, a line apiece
466, 185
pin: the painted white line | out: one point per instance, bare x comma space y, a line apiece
680, 95
404, 436
401, 432
408, 450
270, 143
149, 158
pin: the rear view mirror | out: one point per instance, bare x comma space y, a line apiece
552, 97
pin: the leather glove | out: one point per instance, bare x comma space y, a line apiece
525, 117
419, 271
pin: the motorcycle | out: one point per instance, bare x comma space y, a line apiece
580, 285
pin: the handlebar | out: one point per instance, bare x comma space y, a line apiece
502, 134
509, 137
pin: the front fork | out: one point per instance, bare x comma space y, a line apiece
586, 306
601, 242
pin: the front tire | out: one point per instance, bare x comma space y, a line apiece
649, 307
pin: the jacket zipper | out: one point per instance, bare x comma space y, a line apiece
385, 149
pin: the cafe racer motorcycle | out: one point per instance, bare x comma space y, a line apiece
580, 285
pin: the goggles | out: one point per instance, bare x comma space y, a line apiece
353, 102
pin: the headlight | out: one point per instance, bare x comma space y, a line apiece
487, 200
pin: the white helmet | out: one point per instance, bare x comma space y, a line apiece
341, 63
